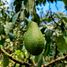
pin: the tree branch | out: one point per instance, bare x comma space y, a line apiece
15, 60
28, 64
54, 61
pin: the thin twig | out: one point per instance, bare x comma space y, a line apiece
15, 60
29, 65
54, 61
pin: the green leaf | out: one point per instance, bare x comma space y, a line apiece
1, 29
8, 27
19, 54
61, 43
1, 3
15, 17
65, 2
48, 34
5, 60
2, 40
30, 6
14, 65
39, 59
47, 49
11, 36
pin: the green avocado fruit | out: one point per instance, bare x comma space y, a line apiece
34, 39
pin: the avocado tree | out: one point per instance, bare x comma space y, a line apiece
28, 40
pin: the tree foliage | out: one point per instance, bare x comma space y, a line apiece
14, 25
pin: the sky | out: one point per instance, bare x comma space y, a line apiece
59, 7
41, 9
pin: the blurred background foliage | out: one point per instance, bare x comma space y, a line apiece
13, 25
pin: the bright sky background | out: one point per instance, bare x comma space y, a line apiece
60, 6
43, 9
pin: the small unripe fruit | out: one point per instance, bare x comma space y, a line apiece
34, 39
